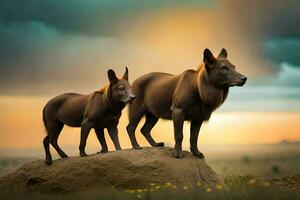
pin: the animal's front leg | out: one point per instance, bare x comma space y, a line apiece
178, 120
85, 130
113, 133
101, 138
195, 128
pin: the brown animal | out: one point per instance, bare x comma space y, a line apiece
191, 96
98, 110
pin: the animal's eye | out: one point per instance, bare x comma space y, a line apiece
121, 88
224, 68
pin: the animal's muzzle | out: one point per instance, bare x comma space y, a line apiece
131, 98
243, 80
239, 82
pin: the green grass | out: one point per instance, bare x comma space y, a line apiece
268, 161
237, 187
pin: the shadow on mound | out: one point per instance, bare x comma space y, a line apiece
121, 170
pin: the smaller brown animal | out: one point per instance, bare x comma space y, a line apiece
191, 96
98, 110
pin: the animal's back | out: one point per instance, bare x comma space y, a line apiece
154, 91
67, 108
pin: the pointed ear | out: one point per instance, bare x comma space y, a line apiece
223, 54
125, 76
208, 57
112, 76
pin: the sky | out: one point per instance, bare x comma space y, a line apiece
51, 47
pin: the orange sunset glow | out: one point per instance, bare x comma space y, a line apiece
74, 55
223, 128
149, 99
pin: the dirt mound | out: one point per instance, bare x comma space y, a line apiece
126, 169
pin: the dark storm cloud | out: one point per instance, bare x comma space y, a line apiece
22, 43
274, 24
68, 16
40, 39
285, 22
284, 50
90, 17
267, 18
281, 35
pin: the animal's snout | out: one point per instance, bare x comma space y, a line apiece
243, 79
132, 97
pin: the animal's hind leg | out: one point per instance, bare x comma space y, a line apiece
151, 120
46, 142
54, 130
134, 119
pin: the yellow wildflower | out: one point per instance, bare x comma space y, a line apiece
130, 191
266, 184
168, 184
219, 187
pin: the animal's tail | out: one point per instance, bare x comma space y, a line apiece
44, 120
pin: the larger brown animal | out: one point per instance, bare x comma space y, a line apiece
98, 110
191, 96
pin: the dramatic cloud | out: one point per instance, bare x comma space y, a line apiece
52, 45
88, 17
265, 17
271, 26
284, 50
49, 46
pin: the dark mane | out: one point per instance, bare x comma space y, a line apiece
209, 93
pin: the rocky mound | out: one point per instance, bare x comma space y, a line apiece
126, 169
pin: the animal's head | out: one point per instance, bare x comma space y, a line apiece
121, 88
220, 71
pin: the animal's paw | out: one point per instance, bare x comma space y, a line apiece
64, 156
198, 154
159, 144
137, 147
177, 154
83, 154
48, 161
103, 151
